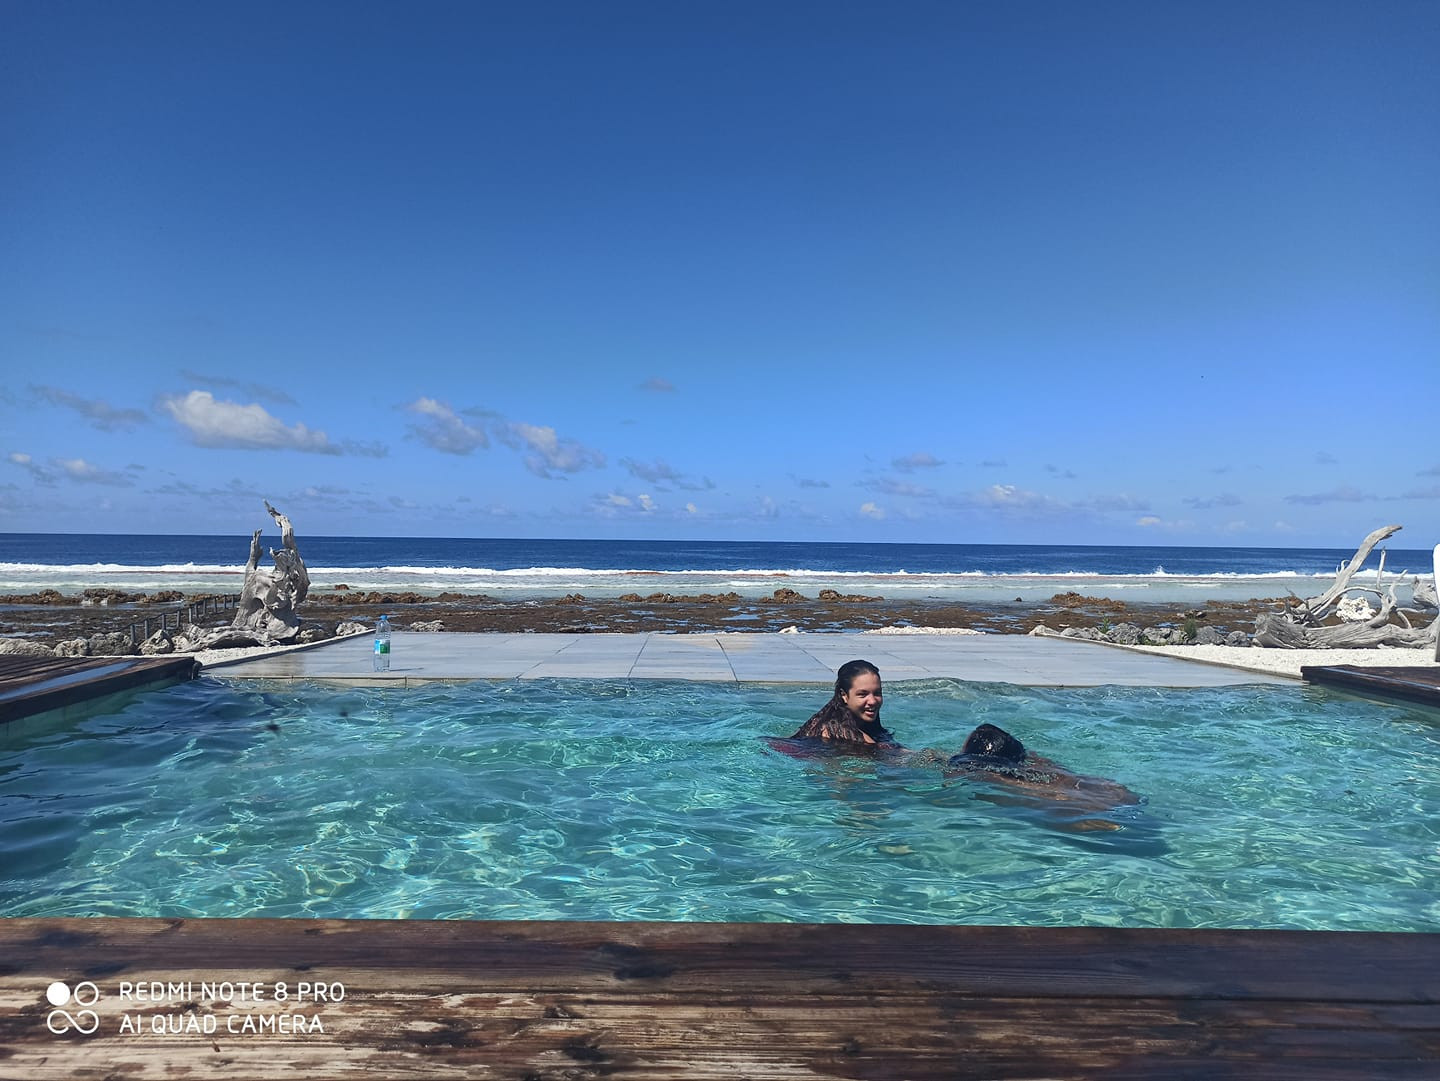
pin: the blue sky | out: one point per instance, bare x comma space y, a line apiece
1031, 272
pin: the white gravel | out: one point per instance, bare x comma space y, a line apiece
1287, 662
1279, 662
209, 658
922, 630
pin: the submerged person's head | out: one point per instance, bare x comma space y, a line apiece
990, 744
858, 689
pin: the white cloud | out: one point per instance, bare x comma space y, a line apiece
102, 415
616, 504
1150, 521
1121, 502
660, 473
236, 491
1015, 502
870, 510
1009, 496
545, 452
214, 423
248, 390
691, 508
1343, 494
78, 469
548, 453
38, 472
1223, 500
891, 486
324, 491
919, 460
75, 469
442, 429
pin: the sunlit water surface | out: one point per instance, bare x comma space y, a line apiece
614, 800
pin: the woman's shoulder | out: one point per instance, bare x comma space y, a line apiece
817, 747
804, 746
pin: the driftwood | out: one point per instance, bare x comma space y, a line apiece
1305, 624
1279, 633
269, 601
1423, 593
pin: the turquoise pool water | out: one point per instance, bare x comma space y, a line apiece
657, 801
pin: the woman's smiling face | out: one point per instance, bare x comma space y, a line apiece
864, 697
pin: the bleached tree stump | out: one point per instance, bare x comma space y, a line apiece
1303, 625
268, 612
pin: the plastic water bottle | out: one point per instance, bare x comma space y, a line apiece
382, 644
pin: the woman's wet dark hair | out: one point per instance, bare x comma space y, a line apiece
987, 746
849, 671
994, 742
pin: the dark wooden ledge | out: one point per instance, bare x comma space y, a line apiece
1409, 683
567, 1001
31, 685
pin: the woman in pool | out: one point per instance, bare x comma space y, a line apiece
849, 723
852, 716
993, 754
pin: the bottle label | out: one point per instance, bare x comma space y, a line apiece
382, 647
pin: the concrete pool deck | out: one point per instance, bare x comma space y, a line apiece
735, 658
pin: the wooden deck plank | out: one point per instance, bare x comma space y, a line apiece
1409, 683
642, 1000
30, 685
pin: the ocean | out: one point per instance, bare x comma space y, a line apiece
537, 569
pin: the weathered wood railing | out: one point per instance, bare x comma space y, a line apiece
192, 612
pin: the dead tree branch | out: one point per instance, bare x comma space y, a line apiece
1303, 624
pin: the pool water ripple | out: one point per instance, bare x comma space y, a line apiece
1266, 807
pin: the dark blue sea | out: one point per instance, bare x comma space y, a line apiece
598, 568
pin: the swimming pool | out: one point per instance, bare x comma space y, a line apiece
609, 800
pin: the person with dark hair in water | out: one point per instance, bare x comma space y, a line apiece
993, 754
853, 713
849, 723
990, 744
998, 765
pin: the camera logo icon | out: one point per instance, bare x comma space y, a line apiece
60, 1020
